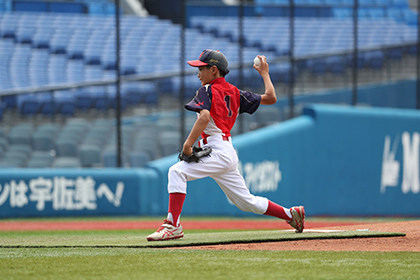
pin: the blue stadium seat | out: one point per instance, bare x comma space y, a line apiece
317, 66
8, 27
13, 158
43, 141
367, 3
66, 147
169, 142
410, 17
400, 3
27, 104
20, 134
139, 159
59, 41
373, 59
384, 3
396, 14
38, 163
23, 35
268, 115
90, 155
109, 157
66, 162
65, 102
24, 149
336, 64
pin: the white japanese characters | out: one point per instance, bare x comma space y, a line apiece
61, 192
410, 163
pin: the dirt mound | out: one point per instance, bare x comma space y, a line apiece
410, 242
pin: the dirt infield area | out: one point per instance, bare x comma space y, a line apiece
410, 242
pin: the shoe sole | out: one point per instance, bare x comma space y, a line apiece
301, 212
164, 239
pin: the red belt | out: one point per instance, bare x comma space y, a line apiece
224, 137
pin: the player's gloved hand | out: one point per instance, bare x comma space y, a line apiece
197, 154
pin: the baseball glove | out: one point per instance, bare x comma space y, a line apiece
196, 155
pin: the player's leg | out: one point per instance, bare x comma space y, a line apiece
178, 176
233, 185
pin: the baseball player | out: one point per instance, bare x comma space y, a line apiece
218, 105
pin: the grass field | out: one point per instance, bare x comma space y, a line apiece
50, 255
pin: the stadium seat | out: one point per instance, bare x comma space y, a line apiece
43, 141
24, 149
66, 162
65, 102
150, 146
169, 142
23, 35
13, 159
90, 155
109, 157
40, 160
395, 14
267, 115
20, 137
384, 3
336, 64
27, 104
374, 59
66, 146
400, 3
8, 28
96, 137
138, 159
49, 128
367, 3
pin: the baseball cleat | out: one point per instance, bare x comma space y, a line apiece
298, 218
166, 231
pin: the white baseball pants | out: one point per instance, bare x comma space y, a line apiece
222, 166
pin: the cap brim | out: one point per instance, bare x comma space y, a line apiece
196, 63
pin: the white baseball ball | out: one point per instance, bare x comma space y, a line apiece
257, 61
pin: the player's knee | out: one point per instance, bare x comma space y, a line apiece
176, 181
254, 205
174, 172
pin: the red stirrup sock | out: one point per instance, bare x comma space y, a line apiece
176, 201
278, 211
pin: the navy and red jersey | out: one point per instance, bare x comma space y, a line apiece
225, 102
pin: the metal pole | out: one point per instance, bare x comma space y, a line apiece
241, 56
182, 84
118, 74
355, 51
292, 58
418, 58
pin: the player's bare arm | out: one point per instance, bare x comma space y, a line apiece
269, 97
199, 126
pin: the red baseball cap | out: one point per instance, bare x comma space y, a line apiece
211, 57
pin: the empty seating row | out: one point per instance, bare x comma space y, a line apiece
95, 7
363, 3
83, 143
312, 35
50, 49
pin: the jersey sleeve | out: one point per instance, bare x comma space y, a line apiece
249, 102
201, 100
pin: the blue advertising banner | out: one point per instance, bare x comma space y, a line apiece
58, 192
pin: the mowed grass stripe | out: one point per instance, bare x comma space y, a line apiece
124, 263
